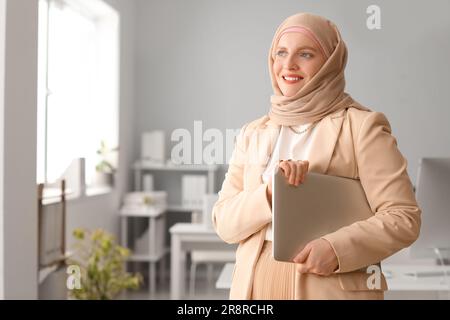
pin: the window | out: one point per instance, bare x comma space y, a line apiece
78, 85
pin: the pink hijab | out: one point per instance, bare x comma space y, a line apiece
324, 93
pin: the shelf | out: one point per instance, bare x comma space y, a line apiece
139, 165
147, 257
148, 212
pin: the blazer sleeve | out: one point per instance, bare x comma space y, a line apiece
239, 213
389, 191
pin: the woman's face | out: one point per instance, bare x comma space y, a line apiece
298, 58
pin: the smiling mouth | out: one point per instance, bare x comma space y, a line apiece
292, 80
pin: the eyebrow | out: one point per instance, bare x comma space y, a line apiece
302, 47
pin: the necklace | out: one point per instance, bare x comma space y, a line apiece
304, 130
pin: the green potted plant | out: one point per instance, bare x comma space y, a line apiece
105, 170
101, 262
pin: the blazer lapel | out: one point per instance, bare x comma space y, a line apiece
322, 148
323, 145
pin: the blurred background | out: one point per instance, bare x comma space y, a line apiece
98, 97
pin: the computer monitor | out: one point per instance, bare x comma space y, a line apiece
433, 197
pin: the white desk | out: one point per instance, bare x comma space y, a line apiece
399, 279
403, 284
186, 237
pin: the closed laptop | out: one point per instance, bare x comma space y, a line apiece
321, 205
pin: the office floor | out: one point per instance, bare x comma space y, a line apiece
203, 290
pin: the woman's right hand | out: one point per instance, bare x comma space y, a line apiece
294, 171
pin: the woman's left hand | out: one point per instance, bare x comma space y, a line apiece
317, 257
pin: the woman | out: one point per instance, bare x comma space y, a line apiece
314, 126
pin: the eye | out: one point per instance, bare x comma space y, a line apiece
306, 55
280, 53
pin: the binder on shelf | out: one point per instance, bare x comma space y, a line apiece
193, 189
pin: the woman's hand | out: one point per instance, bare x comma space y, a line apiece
317, 257
294, 171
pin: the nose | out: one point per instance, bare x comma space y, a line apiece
290, 63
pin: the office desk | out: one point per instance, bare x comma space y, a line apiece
401, 283
186, 237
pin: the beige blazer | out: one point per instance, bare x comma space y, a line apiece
348, 143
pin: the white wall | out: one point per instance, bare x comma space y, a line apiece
2, 100
19, 229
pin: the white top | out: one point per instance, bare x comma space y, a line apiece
290, 145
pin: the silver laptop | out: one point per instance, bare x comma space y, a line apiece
322, 204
